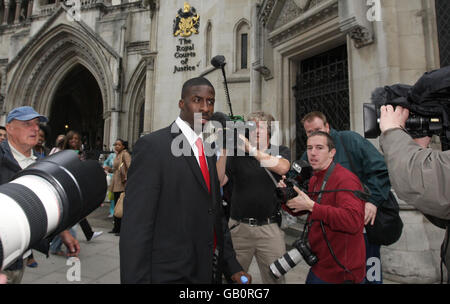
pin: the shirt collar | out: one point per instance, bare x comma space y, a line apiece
187, 131
20, 158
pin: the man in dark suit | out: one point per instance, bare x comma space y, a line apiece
173, 230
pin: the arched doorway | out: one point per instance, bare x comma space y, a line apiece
78, 105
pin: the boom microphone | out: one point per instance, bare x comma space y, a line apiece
218, 61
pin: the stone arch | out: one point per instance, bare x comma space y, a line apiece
36, 75
134, 100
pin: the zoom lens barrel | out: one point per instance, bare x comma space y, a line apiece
46, 198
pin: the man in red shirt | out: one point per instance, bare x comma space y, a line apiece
339, 242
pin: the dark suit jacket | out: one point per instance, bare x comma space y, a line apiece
169, 216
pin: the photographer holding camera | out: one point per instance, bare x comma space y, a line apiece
336, 219
254, 208
420, 176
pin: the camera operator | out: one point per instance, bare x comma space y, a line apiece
16, 153
336, 219
419, 176
254, 207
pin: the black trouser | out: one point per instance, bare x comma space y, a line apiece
87, 229
117, 220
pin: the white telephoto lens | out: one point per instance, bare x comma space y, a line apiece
14, 229
48, 196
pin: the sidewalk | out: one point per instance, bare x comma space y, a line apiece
99, 260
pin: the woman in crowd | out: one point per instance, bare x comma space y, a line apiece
120, 167
73, 142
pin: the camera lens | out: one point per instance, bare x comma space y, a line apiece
46, 198
285, 263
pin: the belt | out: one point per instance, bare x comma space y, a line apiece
256, 222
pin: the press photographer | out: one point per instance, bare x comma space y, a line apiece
335, 224
254, 207
419, 175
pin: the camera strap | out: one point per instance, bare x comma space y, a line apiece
319, 198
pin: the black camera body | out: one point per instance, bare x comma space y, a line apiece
428, 101
306, 252
291, 258
299, 175
417, 125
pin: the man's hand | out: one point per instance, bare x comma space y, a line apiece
71, 243
237, 277
370, 213
3, 279
390, 119
301, 202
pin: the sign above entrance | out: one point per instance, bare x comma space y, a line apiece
186, 22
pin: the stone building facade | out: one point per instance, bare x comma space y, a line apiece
114, 69
329, 55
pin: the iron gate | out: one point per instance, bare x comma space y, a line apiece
443, 28
322, 85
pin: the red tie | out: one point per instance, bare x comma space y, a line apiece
203, 166
205, 172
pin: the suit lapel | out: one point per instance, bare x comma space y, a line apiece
191, 159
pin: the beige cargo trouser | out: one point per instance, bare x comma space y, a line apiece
265, 243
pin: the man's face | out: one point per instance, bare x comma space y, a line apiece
23, 133
198, 99
319, 156
261, 135
2, 135
314, 125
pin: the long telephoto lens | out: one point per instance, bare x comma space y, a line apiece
46, 198
285, 263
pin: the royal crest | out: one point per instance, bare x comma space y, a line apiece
186, 22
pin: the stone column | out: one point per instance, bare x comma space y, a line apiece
255, 75
30, 9
150, 59
6, 13
18, 8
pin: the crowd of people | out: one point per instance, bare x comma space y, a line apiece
173, 228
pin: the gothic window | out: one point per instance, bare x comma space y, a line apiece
208, 43
242, 41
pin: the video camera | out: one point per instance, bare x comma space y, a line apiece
46, 198
428, 101
231, 124
299, 175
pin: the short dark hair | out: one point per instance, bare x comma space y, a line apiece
2, 128
198, 81
311, 115
330, 141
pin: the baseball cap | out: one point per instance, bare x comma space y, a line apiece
25, 113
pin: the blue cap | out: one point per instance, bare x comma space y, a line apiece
25, 113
